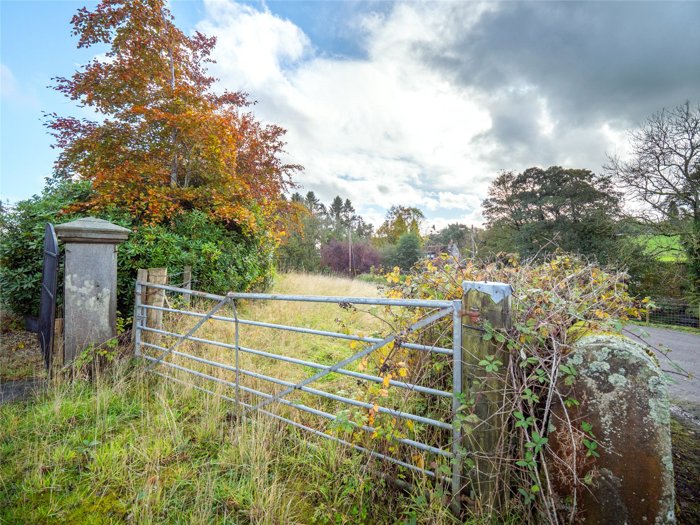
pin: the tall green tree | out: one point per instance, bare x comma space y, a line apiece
571, 209
663, 173
314, 226
313, 203
336, 218
407, 251
341, 219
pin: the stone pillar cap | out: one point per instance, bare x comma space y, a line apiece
91, 230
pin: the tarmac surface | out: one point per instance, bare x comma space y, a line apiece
19, 390
679, 355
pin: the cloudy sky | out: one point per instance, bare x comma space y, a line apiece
419, 103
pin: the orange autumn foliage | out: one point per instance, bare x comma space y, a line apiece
162, 141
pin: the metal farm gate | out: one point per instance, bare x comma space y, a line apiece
159, 306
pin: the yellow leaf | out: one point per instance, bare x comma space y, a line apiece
418, 460
385, 382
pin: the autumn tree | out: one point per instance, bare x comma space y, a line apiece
399, 221
571, 209
300, 249
663, 175
162, 141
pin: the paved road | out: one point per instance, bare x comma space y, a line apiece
19, 390
685, 352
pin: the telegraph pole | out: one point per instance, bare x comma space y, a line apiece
350, 247
473, 244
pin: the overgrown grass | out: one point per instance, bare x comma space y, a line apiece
378, 322
318, 349
128, 447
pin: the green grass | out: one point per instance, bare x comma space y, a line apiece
371, 278
664, 248
126, 447
142, 450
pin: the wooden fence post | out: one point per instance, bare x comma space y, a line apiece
57, 360
155, 297
485, 302
187, 283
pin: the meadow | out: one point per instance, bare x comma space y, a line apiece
664, 248
126, 446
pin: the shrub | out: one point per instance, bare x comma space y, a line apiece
372, 278
22, 243
334, 255
407, 251
555, 301
222, 259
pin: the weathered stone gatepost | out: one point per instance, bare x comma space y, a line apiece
623, 396
90, 298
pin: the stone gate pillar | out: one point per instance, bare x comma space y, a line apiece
90, 289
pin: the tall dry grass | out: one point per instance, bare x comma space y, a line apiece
318, 349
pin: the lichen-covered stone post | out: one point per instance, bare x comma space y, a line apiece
90, 286
622, 395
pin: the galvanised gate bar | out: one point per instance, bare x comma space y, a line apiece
437, 310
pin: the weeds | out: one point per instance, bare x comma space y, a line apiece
556, 301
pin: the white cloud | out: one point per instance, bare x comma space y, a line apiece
8, 83
253, 47
395, 127
382, 130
